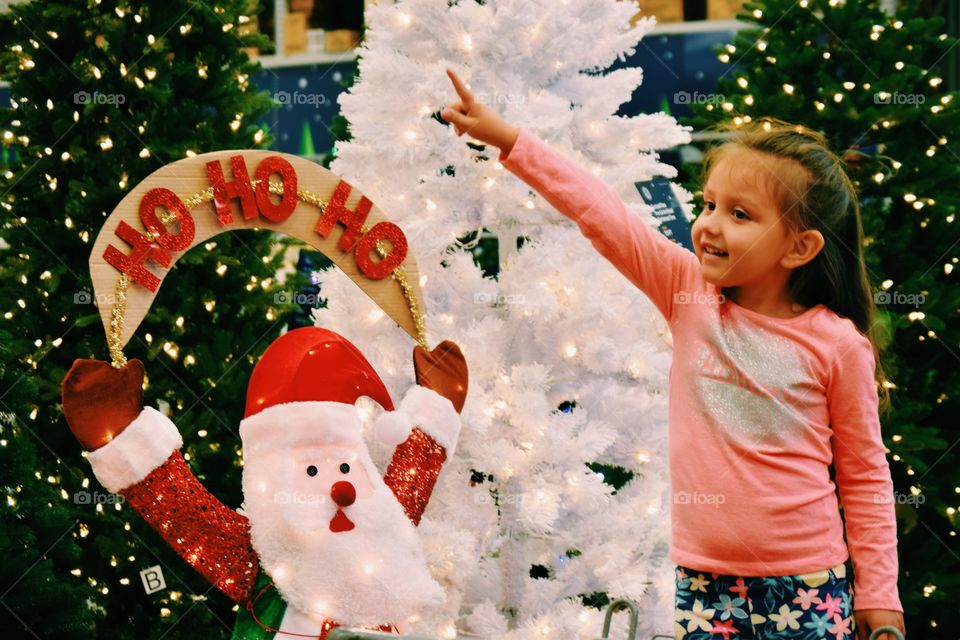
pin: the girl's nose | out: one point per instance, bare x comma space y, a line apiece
343, 493
709, 225
707, 218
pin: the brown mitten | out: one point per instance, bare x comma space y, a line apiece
99, 401
443, 370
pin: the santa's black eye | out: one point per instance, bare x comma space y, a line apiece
311, 471
344, 468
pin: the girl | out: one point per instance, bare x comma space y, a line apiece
773, 380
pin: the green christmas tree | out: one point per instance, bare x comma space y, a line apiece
36, 521
869, 81
103, 94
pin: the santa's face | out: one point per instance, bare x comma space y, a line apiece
327, 528
320, 476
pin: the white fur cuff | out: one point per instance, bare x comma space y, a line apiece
433, 414
143, 446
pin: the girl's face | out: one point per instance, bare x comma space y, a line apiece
741, 217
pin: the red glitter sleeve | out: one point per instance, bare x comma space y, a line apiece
413, 471
213, 538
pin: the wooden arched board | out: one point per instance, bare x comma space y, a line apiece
189, 177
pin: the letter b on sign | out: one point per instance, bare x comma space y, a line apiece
152, 578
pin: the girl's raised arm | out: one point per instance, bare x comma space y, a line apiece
656, 265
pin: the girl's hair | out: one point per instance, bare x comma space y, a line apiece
819, 196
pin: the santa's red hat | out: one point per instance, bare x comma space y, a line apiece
304, 388
313, 364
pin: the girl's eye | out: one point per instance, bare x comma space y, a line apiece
311, 471
709, 206
737, 213
344, 468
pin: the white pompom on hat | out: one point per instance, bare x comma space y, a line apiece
424, 409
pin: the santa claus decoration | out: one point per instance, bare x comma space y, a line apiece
321, 539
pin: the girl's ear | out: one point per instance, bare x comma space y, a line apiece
806, 246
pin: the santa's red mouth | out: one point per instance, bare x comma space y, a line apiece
341, 522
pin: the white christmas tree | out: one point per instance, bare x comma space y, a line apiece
557, 326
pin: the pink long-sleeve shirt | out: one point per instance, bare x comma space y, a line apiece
760, 407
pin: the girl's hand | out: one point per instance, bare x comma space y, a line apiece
870, 619
480, 121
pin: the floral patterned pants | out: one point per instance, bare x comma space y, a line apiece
803, 607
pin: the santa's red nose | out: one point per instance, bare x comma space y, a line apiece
343, 493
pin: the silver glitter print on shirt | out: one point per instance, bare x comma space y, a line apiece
752, 384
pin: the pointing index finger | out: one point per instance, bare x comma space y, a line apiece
461, 88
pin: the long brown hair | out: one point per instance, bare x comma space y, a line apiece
817, 194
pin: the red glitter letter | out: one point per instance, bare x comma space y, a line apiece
336, 211
224, 191
383, 268
160, 197
276, 212
133, 265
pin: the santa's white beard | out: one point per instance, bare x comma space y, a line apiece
374, 574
